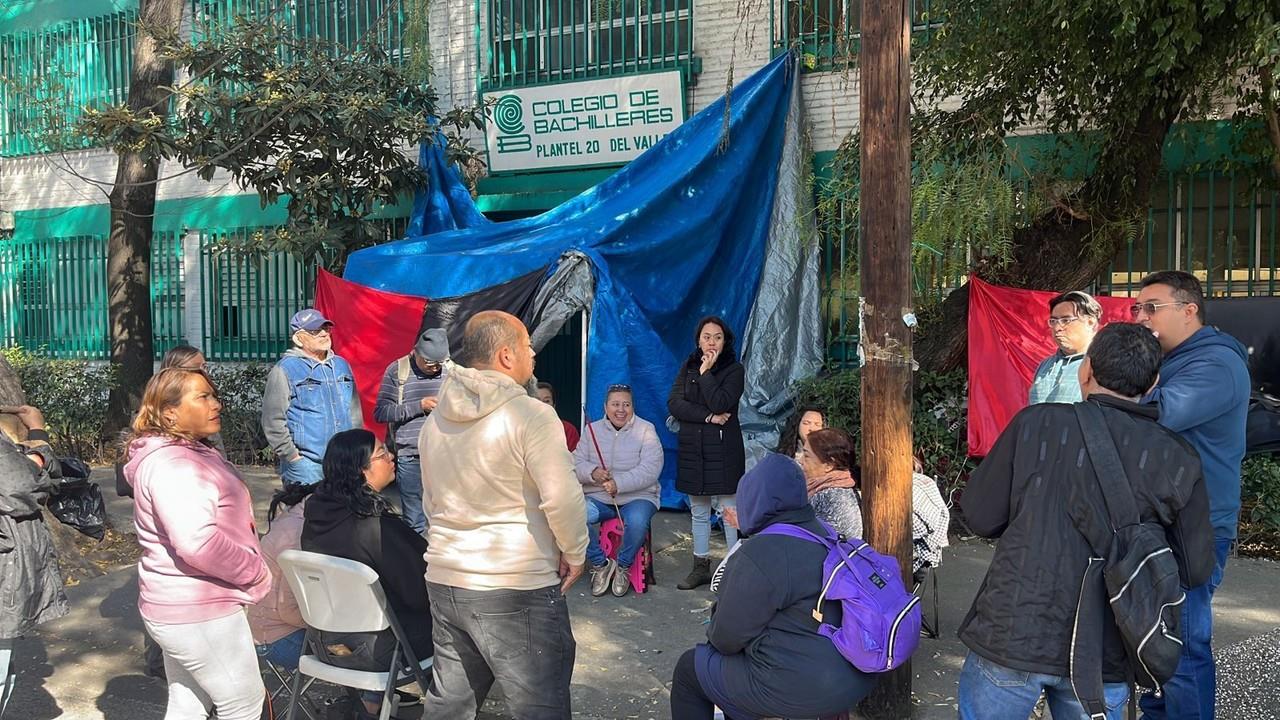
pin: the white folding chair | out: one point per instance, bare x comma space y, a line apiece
344, 596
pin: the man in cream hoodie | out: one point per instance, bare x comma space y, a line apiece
506, 535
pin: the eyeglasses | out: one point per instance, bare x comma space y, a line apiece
382, 454
619, 388
202, 367
1062, 321
1150, 308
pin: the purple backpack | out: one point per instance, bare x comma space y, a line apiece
881, 619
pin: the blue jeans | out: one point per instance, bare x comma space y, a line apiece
700, 512
409, 485
635, 520
990, 691
303, 470
1189, 694
285, 651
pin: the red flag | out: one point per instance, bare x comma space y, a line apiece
1008, 338
371, 328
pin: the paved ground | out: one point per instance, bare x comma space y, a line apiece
88, 665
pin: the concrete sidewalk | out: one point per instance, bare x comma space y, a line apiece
89, 664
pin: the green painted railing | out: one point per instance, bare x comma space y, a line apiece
48, 77
533, 42
827, 32
53, 294
248, 297
1211, 224
347, 23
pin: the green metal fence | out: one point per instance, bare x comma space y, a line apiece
347, 23
532, 42
248, 297
1211, 224
53, 294
48, 76
828, 32
168, 292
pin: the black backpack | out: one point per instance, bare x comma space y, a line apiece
1134, 571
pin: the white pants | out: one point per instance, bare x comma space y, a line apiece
210, 664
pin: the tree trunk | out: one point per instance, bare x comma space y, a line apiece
885, 75
133, 204
1064, 248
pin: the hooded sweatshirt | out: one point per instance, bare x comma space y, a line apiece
194, 519
765, 657
1203, 395
502, 501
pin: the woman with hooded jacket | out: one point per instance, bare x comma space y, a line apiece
763, 656
711, 458
30, 583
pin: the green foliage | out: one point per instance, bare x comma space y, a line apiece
72, 394
964, 209
300, 119
938, 418
1260, 505
1110, 70
240, 388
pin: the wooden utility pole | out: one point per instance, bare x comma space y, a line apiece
885, 265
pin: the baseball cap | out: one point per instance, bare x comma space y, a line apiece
308, 319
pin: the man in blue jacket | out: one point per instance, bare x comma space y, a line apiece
1203, 395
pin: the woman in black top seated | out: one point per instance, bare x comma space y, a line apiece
763, 656
348, 517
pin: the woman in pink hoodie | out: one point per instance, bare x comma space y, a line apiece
201, 563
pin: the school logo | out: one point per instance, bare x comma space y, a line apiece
508, 115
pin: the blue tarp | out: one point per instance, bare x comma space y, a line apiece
678, 233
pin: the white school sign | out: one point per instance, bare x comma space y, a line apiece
592, 122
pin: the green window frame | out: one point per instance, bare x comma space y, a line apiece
828, 32
536, 42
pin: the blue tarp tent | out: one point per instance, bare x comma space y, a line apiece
681, 232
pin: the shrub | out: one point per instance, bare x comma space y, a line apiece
1260, 506
72, 394
240, 387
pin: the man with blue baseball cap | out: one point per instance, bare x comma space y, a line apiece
310, 396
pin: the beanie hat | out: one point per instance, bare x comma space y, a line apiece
433, 346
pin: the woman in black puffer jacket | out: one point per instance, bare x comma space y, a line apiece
711, 458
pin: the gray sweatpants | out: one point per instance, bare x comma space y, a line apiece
210, 664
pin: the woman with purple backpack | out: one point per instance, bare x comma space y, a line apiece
764, 656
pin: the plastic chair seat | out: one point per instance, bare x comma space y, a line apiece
313, 667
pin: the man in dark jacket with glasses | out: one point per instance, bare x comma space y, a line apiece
1038, 492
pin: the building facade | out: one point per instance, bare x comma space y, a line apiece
576, 88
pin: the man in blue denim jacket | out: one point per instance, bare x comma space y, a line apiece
310, 396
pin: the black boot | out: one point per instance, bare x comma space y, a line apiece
700, 574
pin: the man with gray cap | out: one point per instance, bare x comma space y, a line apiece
310, 396
407, 395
